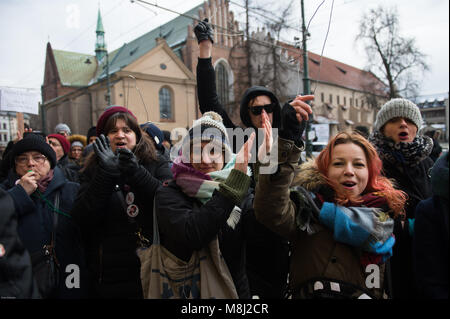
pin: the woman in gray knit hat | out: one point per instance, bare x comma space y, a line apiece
405, 156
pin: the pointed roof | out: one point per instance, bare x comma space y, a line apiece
75, 69
174, 32
99, 23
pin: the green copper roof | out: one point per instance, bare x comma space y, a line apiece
74, 69
174, 32
99, 23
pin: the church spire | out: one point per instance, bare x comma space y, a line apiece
100, 45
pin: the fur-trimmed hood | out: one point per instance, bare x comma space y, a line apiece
309, 177
312, 180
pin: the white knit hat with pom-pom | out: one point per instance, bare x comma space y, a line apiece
209, 128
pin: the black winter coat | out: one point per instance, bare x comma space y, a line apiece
431, 236
109, 233
267, 252
69, 169
415, 182
16, 277
186, 225
35, 225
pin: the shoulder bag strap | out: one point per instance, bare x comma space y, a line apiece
155, 224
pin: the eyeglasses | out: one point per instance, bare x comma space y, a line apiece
257, 110
38, 159
54, 144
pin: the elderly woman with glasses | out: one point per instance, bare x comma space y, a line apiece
42, 199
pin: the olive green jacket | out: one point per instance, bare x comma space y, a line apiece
318, 257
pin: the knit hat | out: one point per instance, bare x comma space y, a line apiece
76, 143
61, 127
63, 140
398, 108
91, 132
209, 128
109, 111
155, 133
33, 142
77, 138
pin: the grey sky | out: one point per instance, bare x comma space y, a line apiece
27, 25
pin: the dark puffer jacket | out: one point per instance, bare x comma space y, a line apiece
108, 233
35, 224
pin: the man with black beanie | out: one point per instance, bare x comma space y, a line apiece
267, 273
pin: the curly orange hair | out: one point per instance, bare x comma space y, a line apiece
376, 182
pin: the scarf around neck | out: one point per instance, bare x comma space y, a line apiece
44, 181
201, 186
410, 154
366, 226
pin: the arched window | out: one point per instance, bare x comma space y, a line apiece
222, 84
165, 104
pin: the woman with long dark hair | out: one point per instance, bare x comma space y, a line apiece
115, 203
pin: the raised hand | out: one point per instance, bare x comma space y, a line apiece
266, 146
244, 154
203, 31
128, 163
107, 159
294, 116
301, 108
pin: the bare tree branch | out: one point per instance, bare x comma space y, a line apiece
394, 58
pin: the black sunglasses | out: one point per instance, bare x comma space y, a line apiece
257, 110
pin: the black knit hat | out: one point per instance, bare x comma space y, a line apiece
33, 142
91, 132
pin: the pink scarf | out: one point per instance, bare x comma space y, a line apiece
44, 181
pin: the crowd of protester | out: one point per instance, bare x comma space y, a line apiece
366, 218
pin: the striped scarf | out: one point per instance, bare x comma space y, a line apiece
201, 186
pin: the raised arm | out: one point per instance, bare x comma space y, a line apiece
206, 77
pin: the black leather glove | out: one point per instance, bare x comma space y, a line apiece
107, 159
203, 31
128, 163
291, 129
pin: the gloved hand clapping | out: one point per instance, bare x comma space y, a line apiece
203, 31
128, 163
107, 159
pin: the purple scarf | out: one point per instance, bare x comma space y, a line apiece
44, 181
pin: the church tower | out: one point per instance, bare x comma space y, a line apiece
100, 45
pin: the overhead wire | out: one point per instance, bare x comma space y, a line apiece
323, 47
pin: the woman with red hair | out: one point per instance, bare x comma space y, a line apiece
337, 211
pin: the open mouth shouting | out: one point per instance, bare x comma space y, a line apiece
349, 185
121, 145
403, 136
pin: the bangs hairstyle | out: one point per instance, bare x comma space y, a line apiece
144, 150
376, 182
